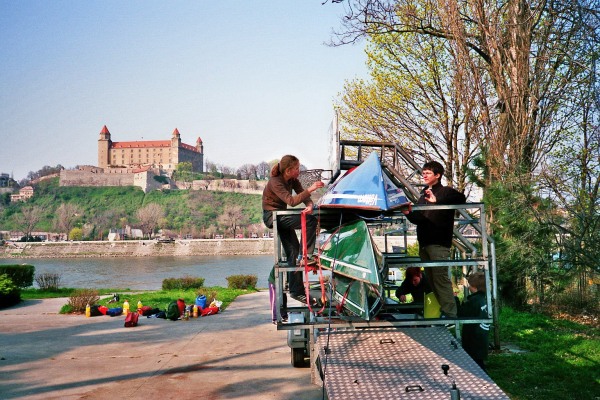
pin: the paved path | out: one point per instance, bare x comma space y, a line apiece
237, 354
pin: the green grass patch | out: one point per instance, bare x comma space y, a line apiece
161, 299
155, 299
32, 294
560, 358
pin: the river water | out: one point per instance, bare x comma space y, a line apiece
147, 273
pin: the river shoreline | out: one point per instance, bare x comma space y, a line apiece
137, 248
153, 248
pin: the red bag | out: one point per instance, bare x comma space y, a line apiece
181, 305
209, 310
146, 310
131, 319
103, 309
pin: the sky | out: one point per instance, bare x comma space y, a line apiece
253, 79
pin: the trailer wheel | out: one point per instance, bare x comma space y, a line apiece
298, 357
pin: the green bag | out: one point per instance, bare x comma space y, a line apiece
173, 311
432, 306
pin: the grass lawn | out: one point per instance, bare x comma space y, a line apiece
155, 299
560, 358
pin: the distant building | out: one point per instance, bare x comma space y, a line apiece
24, 194
4, 180
125, 233
160, 154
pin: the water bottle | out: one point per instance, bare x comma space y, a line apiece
195, 311
88, 311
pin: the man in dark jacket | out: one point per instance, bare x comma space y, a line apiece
475, 338
435, 231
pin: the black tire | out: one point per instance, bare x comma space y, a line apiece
298, 357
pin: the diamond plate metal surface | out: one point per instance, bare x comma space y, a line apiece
400, 364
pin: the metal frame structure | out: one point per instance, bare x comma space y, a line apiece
473, 250
481, 258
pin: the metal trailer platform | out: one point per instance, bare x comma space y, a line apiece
400, 364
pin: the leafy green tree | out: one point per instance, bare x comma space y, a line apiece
525, 242
510, 56
412, 100
185, 173
515, 67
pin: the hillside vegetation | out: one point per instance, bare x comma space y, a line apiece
104, 208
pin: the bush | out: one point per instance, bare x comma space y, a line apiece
9, 292
242, 281
185, 283
48, 281
20, 275
81, 298
76, 234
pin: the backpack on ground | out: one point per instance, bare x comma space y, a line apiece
173, 312
113, 312
94, 311
181, 305
147, 310
131, 320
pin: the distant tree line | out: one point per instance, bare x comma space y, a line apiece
89, 213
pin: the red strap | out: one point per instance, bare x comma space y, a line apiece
307, 268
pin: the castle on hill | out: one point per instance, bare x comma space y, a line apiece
135, 163
161, 154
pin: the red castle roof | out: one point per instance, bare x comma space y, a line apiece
142, 144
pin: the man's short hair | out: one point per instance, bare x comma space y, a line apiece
477, 280
434, 167
411, 272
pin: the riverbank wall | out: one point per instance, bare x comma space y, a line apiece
138, 248
152, 248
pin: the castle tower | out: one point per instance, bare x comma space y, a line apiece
175, 148
104, 144
200, 148
176, 138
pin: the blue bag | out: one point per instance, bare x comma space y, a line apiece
113, 312
201, 301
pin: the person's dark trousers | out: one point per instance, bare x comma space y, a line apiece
286, 229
